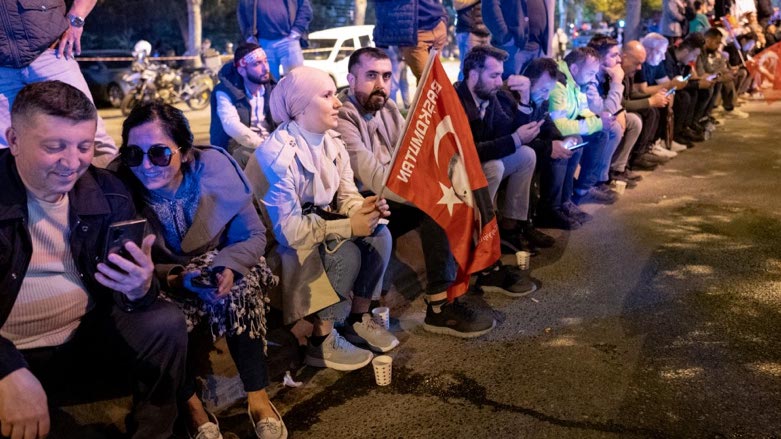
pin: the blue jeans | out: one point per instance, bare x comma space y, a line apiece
399, 83
591, 164
517, 59
48, 67
285, 52
466, 41
356, 265
557, 181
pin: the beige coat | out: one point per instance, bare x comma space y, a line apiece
284, 177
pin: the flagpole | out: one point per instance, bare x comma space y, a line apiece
418, 89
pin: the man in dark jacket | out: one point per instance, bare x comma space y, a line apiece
50, 38
241, 118
279, 27
59, 327
416, 27
519, 27
470, 29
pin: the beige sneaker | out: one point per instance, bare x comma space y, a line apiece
269, 428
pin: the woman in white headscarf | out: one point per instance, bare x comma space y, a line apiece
331, 241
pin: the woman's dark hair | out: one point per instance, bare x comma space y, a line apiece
173, 121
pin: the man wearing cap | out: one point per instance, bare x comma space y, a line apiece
241, 119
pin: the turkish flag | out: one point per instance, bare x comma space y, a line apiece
765, 68
436, 167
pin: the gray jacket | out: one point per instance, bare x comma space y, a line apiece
27, 28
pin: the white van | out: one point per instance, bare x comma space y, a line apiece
330, 49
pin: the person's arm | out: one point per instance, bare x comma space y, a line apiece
231, 122
348, 199
587, 124
245, 17
303, 17
70, 40
672, 9
245, 236
494, 20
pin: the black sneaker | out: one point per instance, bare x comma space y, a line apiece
458, 319
595, 195
513, 241
573, 211
507, 280
537, 238
642, 164
557, 219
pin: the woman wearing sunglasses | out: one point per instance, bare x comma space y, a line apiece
332, 246
209, 249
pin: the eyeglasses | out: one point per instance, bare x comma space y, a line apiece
159, 155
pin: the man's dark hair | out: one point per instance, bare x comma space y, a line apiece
371, 52
602, 43
697, 5
539, 66
748, 36
713, 33
580, 55
242, 51
475, 59
693, 41
53, 98
172, 119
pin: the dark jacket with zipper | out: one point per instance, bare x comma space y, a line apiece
98, 199
27, 28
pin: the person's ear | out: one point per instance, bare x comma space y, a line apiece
13, 141
351, 80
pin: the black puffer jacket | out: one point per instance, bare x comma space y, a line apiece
27, 28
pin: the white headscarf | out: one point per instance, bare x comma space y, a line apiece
295, 90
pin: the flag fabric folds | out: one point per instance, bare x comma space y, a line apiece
765, 68
436, 167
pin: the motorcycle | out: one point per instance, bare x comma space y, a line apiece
159, 82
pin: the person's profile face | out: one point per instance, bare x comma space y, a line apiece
322, 112
371, 82
489, 79
156, 178
612, 58
655, 55
632, 61
254, 67
586, 72
542, 87
51, 153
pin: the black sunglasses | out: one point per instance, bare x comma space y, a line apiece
159, 155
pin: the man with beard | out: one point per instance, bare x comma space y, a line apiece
501, 138
241, 119
371, 125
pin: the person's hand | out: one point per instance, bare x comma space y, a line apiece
592, 94
382, 207
70, 42
522, 85
24, 411
678, 84
607, 120
616, 74
704, 83
207, 294
224, 282
559, 149
659, 99
365, 219
529, 131
134, 277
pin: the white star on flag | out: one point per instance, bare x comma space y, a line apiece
449, 198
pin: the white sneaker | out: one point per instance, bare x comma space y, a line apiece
368, 332
209, 430
736, 114
677, 147
662, 152
337, 353
269, 428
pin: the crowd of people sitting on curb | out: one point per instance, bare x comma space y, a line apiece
295, 174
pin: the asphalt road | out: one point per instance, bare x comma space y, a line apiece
659, 319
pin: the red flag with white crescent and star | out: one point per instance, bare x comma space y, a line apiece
436, 167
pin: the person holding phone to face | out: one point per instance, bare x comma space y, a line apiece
68, 322
209, 249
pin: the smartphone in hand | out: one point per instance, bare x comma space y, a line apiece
576, 146
120, 233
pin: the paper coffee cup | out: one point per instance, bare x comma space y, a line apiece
381, 316
619, 186
382, 369
522, 259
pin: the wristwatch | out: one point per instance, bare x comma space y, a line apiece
76, 21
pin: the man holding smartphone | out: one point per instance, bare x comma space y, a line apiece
67, 318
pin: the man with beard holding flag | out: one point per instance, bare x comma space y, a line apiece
241, 118
371, 126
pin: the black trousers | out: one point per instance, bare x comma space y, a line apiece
146, 349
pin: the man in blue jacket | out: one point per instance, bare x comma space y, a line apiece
66, 315
520, 28
278, 26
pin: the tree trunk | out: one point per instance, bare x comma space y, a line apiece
632, 25
194, 29
360, 12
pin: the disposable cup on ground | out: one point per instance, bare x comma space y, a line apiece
522, 259
619, 186
382, 369
381, 315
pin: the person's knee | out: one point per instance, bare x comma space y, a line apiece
633, 122
162, 323
493, 170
